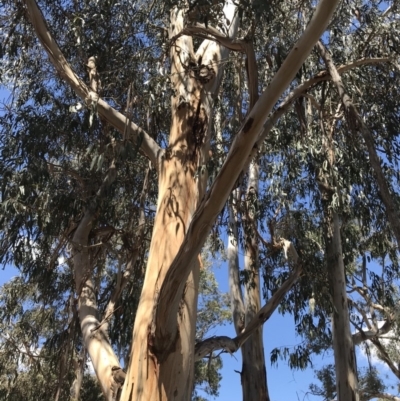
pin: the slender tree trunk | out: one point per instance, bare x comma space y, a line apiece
95, 339
79, 366
343, 347
345, 360
235, 289
254, 374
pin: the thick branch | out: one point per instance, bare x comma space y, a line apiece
233, 344
149, 147
173, 286
210, 33
302, 89
357, 124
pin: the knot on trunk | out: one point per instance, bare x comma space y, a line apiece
118, 376
205, 73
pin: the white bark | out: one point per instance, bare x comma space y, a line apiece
94, 338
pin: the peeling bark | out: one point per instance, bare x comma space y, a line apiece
161, 363
162, 359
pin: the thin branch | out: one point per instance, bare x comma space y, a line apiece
385, 357
305, 86
357, 125
231, 345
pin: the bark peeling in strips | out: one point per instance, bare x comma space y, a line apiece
164, 359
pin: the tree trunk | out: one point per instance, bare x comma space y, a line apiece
343, 347
254, 374
164, 370
161, 363
94, 337
345, 360
235, 290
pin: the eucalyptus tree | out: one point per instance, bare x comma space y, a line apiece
89, 117
337, 184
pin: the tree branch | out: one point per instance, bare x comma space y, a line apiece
385, 396
147, 145
302, 89
362, 335
233, 344
385, 357
357, 124
210, 33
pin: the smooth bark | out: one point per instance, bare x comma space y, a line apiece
343, 348
235, 289
254, 373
